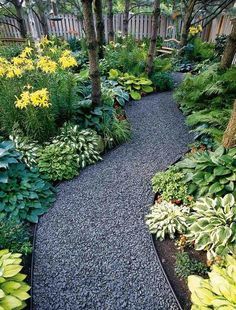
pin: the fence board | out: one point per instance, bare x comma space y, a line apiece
139, 26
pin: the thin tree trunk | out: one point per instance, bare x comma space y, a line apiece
126, 17
92, 51
187, 22
110, 21
153, 42
100, 27
229, 138
230, 48
44, 24
20, 18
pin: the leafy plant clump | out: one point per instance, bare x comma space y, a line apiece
166, 219
186, 266
24, 194
212, 226
170, 185
136, 86
162, 81
217, 292
13, 289
14, 236
58, 162
210, 173
85, 143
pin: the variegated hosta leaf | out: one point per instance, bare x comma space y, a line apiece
167, 219
212, 225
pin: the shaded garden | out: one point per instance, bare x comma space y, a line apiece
63, 107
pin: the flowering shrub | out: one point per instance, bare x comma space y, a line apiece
36, 90
193, 31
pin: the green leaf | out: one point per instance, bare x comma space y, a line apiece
135, 95
147, 89
221, 171
215, 188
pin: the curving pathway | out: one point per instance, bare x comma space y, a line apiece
93, 250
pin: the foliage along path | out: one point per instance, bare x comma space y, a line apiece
93, 250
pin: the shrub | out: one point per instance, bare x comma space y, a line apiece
14, 236
166, 219
186, 266
210, 173
162, 81
170, 185
217, 292
58, 162
13, 289
211, 225
161, 64
24, 194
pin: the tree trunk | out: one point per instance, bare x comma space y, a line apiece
229, 138
20, 18
44, 24
126, 17
100, 27
110, 21
153, 42
92, 51
230, 48
187, 22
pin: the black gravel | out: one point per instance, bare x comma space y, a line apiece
93, 250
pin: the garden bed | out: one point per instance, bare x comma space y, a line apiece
167, 250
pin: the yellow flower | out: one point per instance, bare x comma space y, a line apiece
13, 71
67, 60
3, 66
25, 63
23, 101
26, 52
195, 30
44, 41
46, 64
40, 98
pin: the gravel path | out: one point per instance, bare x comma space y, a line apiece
93, 250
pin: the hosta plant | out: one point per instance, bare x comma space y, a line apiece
218, 291
166, 219
136, 86
84, 142
25, 146
24, 195
13, 289
210, 173
170, 185
212, 225
58, 162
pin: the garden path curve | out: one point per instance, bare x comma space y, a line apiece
93, 250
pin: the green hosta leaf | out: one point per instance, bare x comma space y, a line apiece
11, 270
10, 302
215, 188
230, 186
113, 74
219, 151
147, 89
219, 171
229, 200
135, 95
202, 241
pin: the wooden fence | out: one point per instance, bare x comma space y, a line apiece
139, 26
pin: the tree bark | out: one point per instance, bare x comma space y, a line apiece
153, 42
99, 27
92, 51
187, 22
110, 21
126, 17
230, 48
229, 138
20, 18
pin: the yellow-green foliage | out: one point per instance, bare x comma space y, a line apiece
13, 289
217, 292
